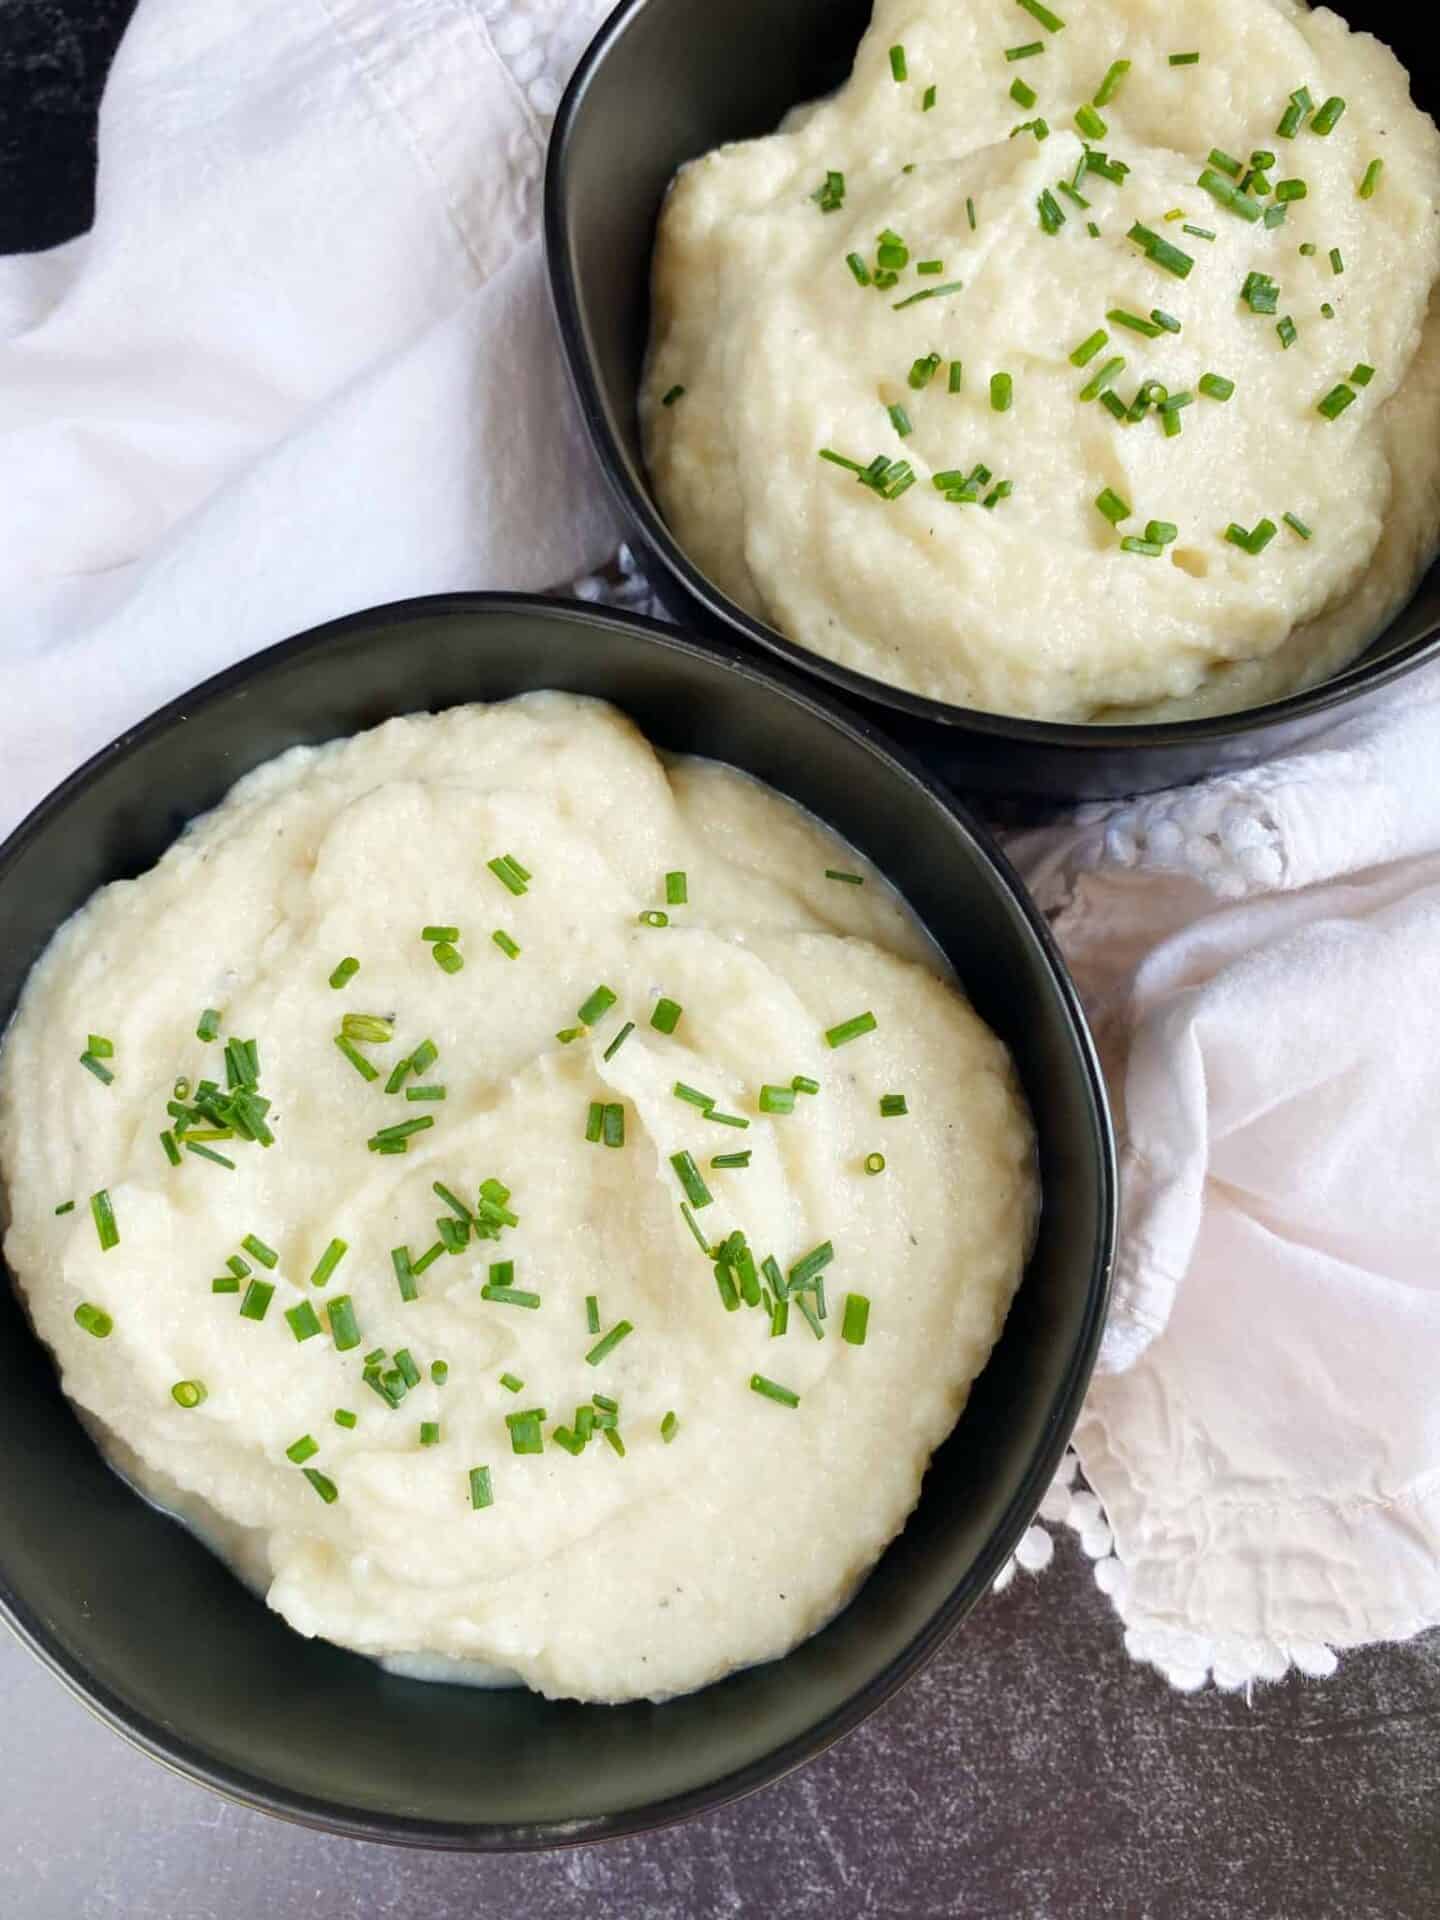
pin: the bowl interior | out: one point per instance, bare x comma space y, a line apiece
154, 1632
706, 75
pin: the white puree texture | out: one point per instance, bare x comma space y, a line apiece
594, 1576
1032, 608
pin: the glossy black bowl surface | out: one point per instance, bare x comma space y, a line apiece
666, 80
153, 1633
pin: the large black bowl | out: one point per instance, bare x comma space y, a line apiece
153, 1633
665, 80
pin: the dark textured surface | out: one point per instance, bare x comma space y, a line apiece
1032, 1771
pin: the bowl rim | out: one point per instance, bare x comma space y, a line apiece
638, 507
175, 1750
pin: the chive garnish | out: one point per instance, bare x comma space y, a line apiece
506, 869
342, 975
345, 1418
1087, 349
850, 1029
396, 1139
94, 1320
304, 1323
1215, 386
1370, 185
1052, 215
323, 1485
481, 1492
1327, 310
456, 1206
898, 68
1112, 506
102, 1211
929, 98
669, 1427
923, 370
1002, 392
725, 1282
509, 1296
1287, 331
1200, 233
344, 1328
1114, 406
1228, 195
1119, 318
829, 196
731, 1159
303, 1449
693, 1096
1294, 116
874, 1163
511, 1383
807, 1269
99, 1046
1161, 253
892, 1105
258, 1250
671, 395
1336, 401
970, 213
357, 1059
802, 1083
1337, 261
654, 916
65, 1206
1027, 52
666, 1016
929, 293
677, 889
1226, 163
603, 1347
771, 1389
1361, 375
434, 934
1290, 190
172, 1151
1022, 95
1110, 85
405, 1362
1260, 293
1090, 123
593, 1010
688, 1174
1147, 549
613, 1125
447, 957
619, 1040
837, 873
777, 1099
429, 1433
96, 1066
1051, 22
858, 267
1040, 127
900, 420
256, 1303
1297, 525
1106, 377
209, 1153
1327, 118
431, 1254
694, 1225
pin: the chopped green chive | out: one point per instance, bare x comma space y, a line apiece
1106, 377
892, 1105
225, 1283
1052, 215
1337, 261
1295, 114
509, 1296
693, 1096
1327, 310
666, 1016
1119, 318
1260, 293
806, 1270
677, 889
592, 1313
357, 1059
858, 267
654, 916
1370, 185
929, 98
1361, 375
694, 1225
802, 1083
669, 1427
900, 420
688, 1174
506, 869
874, 1163
1228, 195
1051, 22
1288, 190
367, 1028
1200, 233
1226, 163
429, 1433
344, 973
731, 1159
512, 1383
65, 1206
1114, 406
434, 934
396, 1139
99, 1046
596, 1007
303, 1449
1090, 123
1161, 253
777, 1099
506, 945
922, 371
829, 196
850, 1029
1215, 386
323, 1485
1002, 392
970, 213
447, 957
725, 1282
1288, 332
929, 293
1027, 52
1069, 192
613, 1125
172, 1151
771, 1389
102, 1212
93, 1065
619, 1040
456, 1206
256, 1303
426, 1093
1110, 85
898, 69
304, 1323
1113, 507
1087, 349
1147, 549
1255, 541
1022, 95
258, 1250
345, 1418
481, 1493
667, 399
855, 1323
344, 1328
1297, 525
1336, 401
1327, 118
837, 873
94, 1320
603, 1348
1184, 59
405, 1363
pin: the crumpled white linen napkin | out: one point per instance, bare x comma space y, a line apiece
303, 364
1260, 957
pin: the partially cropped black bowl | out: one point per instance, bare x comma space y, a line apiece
667, 80
158, 1638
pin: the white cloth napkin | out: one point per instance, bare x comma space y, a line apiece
303, 363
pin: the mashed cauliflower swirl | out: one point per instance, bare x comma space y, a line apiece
1035, 607
591, 1572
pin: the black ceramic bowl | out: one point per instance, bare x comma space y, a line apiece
666, 80
152, 1632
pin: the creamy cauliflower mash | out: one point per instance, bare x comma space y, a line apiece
531, 1205
1075, 364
